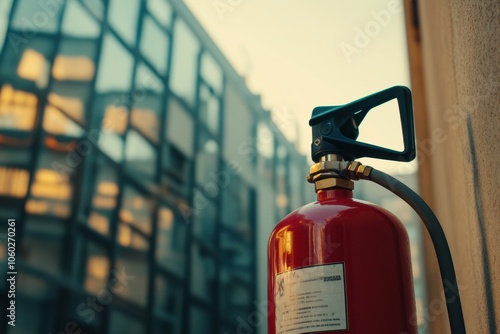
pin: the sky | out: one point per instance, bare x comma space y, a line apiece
299, 54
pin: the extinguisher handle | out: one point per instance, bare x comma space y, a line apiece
335, 128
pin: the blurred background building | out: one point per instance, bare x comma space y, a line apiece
143, 175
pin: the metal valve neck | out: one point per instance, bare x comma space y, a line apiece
327, 173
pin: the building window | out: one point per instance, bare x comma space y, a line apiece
136, 211
101, 195
78, 23
168, 305
73, 72
161, 10
125, 323
115, 69
28, 63
140, 156
265, 148
203, 323
203, 219
202, 273
123, 16
239, 137
148, 104
209, 109
184, 63
207, 164
37, 17
180, 127
154, 45
5, 7
211, 72
113, 85
171, 240
97, 268
135, 263
18, 109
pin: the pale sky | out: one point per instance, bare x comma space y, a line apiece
299, 54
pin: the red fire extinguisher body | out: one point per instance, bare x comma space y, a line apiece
340, 265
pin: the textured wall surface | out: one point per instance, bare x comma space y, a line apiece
455, 65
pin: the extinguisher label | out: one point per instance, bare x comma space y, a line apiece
311, 299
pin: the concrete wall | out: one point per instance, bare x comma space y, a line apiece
455, 65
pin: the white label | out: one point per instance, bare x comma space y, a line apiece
311, 299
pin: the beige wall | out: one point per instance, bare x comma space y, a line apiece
455, 65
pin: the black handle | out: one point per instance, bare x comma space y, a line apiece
335, 128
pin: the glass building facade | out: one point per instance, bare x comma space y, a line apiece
143, 175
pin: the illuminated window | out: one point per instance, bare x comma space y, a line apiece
55, 122
33, 66
115, 119
17, 109
73, 68
104, 195
71, 105
51, 189
27, 63
97, 268
99, 222
13, 182
3, 250
49, 195
136, 210
128, 237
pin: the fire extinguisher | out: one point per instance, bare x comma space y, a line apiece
340, 265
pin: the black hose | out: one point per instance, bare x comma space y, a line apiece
450, 286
